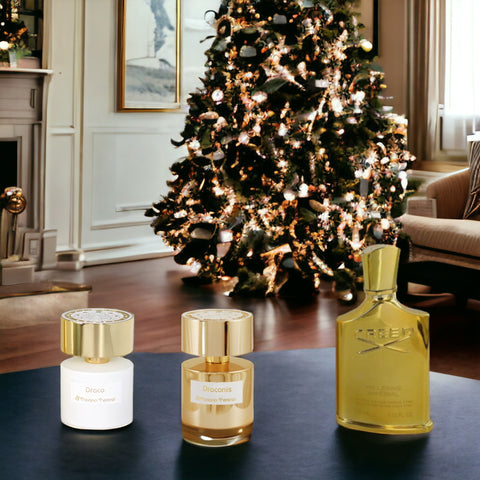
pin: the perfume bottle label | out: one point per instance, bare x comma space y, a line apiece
392, 403
216, 393
96, 394
392, 339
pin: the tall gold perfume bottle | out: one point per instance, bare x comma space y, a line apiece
217, 388
383, 355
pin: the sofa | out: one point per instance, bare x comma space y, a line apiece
436, 226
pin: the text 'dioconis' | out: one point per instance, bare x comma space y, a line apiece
216, 393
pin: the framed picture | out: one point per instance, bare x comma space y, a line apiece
369, 17
148, 62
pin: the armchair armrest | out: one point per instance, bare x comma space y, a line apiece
450, 193
422, 206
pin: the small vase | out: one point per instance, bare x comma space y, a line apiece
12, 58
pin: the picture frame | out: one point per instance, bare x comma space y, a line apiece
148, 55
369, 10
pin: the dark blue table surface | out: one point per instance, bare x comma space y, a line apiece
295, 435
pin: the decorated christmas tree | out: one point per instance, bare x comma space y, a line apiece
293, 167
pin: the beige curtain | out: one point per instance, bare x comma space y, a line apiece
425, 76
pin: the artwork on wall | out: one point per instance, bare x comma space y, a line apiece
369, 17
148, 62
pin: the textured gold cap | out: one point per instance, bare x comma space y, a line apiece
97, 333
380, 266
217, 332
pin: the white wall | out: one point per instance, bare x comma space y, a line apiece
62, 156
104, 168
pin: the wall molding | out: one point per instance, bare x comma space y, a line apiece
100, 256
59, 130
118, 224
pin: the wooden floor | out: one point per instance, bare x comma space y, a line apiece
153, 290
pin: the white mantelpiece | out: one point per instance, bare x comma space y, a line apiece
22, 120
37, 71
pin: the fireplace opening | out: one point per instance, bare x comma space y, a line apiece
8, 164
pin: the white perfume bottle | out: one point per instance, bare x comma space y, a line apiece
96, 384
217, 387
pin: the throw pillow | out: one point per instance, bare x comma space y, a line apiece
472, 208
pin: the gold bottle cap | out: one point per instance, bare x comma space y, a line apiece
97, 333
217, 332
380, 266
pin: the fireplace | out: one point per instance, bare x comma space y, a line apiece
22, 163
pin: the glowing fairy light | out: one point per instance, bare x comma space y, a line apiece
303, 190
194, 144
371, 157
337, 106
289, 195
259, 97
385, 224
225, 236
282, 130
220, 123
358, 96
195, 267
244, 138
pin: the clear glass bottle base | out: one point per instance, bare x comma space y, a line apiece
386, 429
209, 437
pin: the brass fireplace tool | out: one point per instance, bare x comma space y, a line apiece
14, 269
12, 202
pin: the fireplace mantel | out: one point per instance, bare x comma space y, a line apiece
40, 71
22, 120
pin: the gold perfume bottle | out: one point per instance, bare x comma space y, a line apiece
217, 389
383, 355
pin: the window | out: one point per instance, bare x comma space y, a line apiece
461, 104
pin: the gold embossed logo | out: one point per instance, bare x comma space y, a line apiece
384, 339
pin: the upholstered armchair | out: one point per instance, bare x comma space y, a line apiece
436, 225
